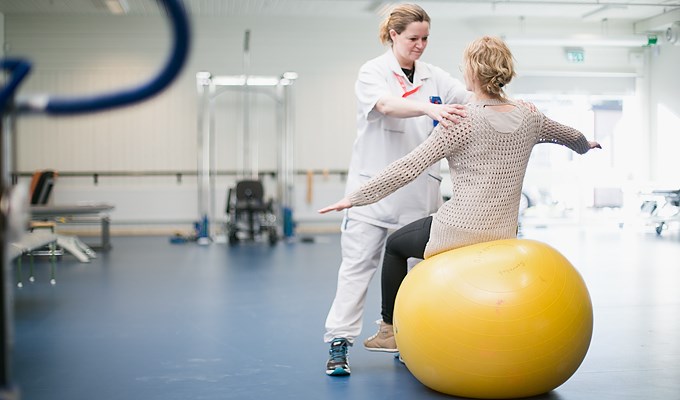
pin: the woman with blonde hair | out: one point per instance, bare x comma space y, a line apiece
488, 153
398, 100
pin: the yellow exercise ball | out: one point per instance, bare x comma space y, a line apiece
503, 319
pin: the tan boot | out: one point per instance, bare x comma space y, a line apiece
383, 340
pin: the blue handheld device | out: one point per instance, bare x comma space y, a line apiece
435, 100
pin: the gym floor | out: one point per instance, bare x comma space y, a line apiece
154, 320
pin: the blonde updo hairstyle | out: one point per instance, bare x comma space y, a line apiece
490, 62
399, 18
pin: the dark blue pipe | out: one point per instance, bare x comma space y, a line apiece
172, 68
18, 70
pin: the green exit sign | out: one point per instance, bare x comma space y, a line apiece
575, 54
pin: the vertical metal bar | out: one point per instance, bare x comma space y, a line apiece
254, 150
240, 146
6, 306
290, 140
210, 153
281, 146
288, 157
200, 128
205, 88
247, 170
106, 233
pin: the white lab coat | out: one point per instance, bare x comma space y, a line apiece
382, 139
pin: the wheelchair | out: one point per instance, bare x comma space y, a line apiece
249, 216
662, 213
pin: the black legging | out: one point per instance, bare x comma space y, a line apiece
406, 242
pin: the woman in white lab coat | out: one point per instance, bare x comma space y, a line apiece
400, 100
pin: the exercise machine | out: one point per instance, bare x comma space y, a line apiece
210, 89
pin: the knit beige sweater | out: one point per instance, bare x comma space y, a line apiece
488, 152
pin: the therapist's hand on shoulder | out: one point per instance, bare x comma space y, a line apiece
339, 206
447, 114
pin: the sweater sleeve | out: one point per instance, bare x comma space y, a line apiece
401, 172
554, 132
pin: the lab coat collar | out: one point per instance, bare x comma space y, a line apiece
423, 71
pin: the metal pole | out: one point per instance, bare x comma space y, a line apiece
7, 391
200, 126
281, 146
289, 157
247, 151
205, 88
212, 170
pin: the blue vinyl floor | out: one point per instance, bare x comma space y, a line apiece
153, 320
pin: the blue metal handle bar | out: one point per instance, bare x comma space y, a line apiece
87, 104
18, 69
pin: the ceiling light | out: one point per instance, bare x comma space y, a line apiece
290, 75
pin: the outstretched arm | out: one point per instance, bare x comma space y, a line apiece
554, 132
401, 172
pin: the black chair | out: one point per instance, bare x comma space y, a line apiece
41, 186
248, 213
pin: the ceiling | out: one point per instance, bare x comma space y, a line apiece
630, 10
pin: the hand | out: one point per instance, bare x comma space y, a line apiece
531, 106
594, 145
339, 206
447, 114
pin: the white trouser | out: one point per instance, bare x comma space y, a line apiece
362, 247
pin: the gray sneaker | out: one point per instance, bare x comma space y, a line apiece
338, 363
383, 340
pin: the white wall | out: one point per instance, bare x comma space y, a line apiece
76, 55
664, 115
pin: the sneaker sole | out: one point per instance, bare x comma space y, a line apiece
338, 372
381, 350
